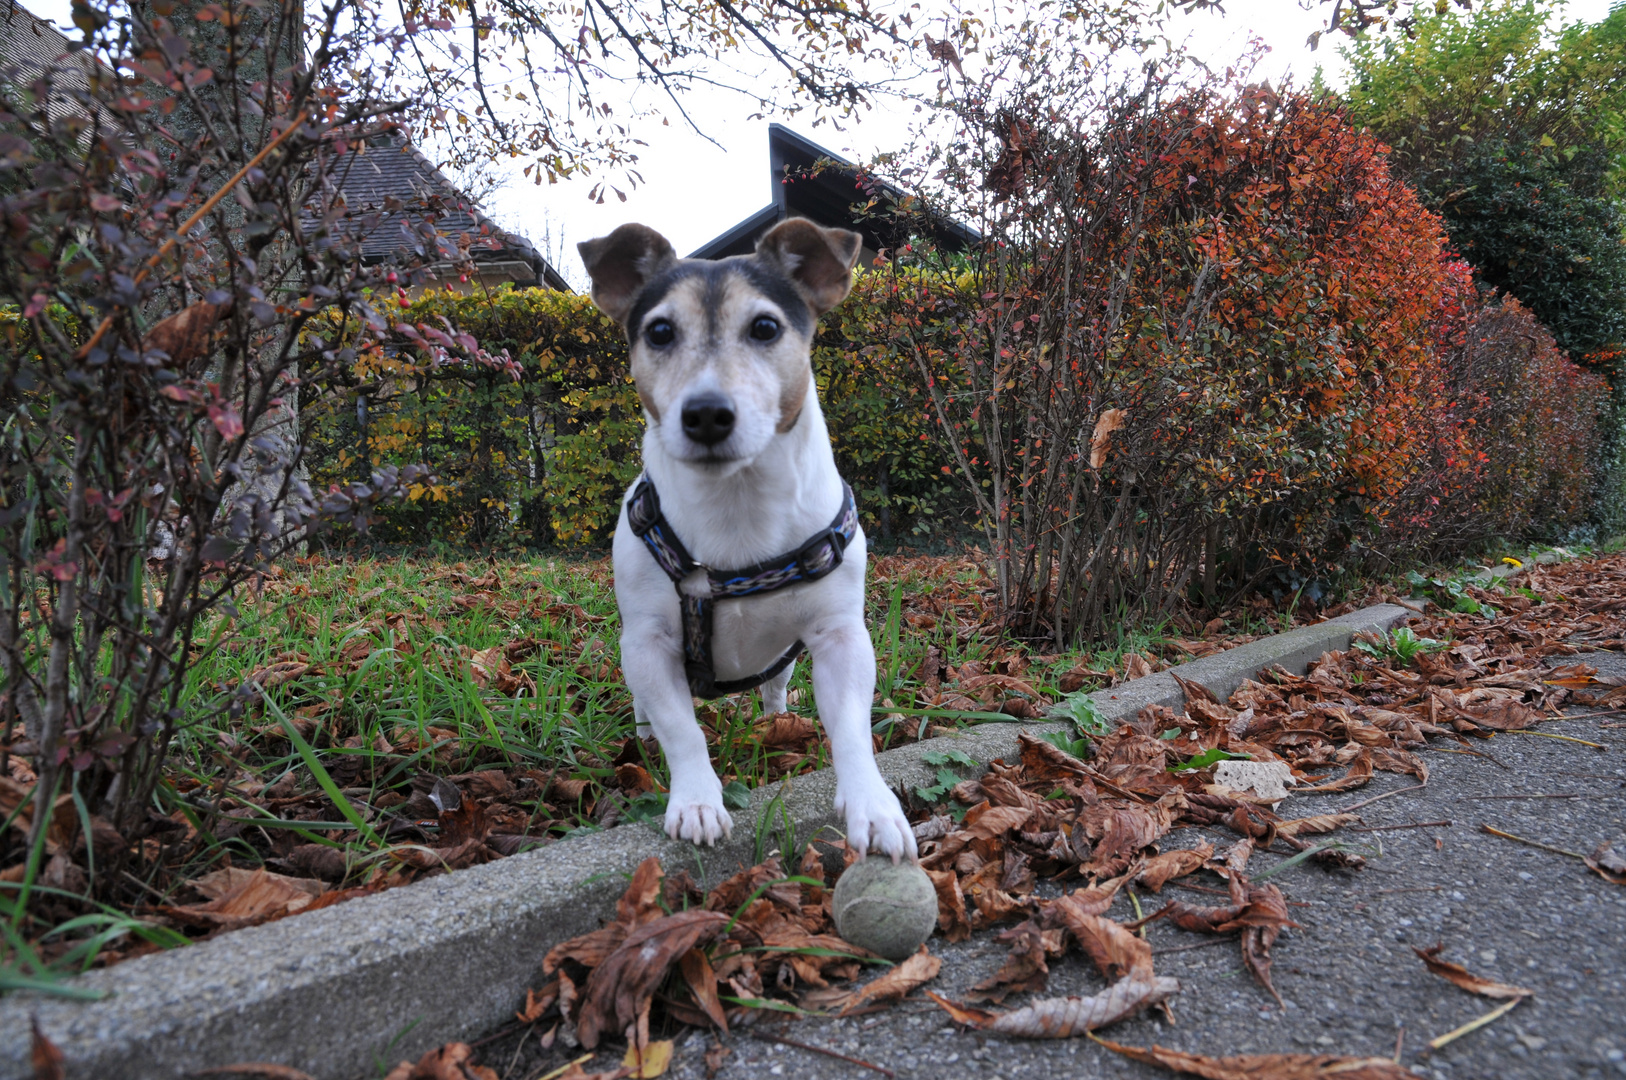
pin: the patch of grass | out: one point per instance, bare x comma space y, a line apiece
365, 692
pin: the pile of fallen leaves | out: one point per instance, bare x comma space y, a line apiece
1052, 816
1038, 848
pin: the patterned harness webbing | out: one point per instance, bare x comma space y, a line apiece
813, 560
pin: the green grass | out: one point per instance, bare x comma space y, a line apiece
338, 690
387, 645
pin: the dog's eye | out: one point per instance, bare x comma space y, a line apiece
765, 328
660, 332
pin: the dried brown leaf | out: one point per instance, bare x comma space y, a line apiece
187, 334
620, 988
589, 949
1101, 439
1319, 823
44, 1055
454, 1061
1464, 978
1161, 869
908, 976
785, 729
1062, 1018
537, 1004
1121, 830
1024, 969
1360, 772
702, 983
1266, 1066
952, 920
246, 898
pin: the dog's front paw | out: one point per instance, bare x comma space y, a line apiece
697, 816
875, 820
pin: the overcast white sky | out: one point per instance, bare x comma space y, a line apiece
694, 190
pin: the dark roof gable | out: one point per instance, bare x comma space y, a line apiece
826, 198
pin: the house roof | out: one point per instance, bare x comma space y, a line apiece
30, 47
392, 171
826, 197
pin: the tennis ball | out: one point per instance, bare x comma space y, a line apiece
887, 908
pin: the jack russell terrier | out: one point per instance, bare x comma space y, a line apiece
741, 509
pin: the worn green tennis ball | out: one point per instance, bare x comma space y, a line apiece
885, 908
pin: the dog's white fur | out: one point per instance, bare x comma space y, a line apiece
761, 492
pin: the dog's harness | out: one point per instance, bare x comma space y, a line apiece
815, 559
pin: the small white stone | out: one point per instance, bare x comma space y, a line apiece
1266, 779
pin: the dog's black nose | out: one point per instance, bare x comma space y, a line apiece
708, 419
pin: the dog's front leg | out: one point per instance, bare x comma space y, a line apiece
653, 664
844, 689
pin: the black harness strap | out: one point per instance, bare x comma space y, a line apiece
813, 560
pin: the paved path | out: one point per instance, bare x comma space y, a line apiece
1349, 978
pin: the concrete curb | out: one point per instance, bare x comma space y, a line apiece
329, 992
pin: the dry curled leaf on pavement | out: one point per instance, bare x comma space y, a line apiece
1265, 1066
1026, 967
43, 1054
1318, 823
906, 977
1608, 864
701, 979
1466, 979
454, 1061
1114, 950
1062, 1018
619, 991
1258, 911
1358, 775
1161, 869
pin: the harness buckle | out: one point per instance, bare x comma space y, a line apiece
644, 508
821, 554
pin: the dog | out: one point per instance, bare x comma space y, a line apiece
740, 543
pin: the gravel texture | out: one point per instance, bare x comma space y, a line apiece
1350, 980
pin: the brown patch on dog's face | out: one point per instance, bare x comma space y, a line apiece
791, 401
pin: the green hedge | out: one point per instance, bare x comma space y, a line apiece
535, 455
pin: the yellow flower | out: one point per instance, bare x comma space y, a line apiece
1513, 562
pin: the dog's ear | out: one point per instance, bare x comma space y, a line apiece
819, 260
622, 263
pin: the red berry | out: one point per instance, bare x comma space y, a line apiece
391, 277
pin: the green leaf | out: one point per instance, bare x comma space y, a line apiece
1085, 714
1079, 748
736, 796
1207, 758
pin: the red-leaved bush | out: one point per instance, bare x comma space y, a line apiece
1212, 344
1509, 427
